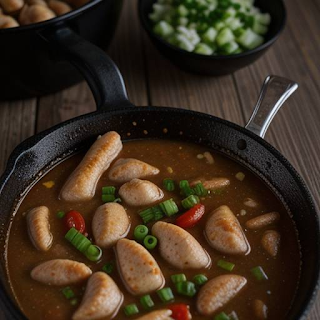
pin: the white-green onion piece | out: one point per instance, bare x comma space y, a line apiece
263, 18
235, 23
259, 28
210, 35
250, 39
203, 48
184, 43
230, 47
219, 25
182, 11
224, 36
163, 29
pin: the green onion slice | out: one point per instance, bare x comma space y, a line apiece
225, 265
169, 207
165, 294
190, 201
109, 190
140, 232
147, 215
150, 242
60, 214
68, 292
233, 316
186, 288
93, 253
259, 273
108, 198
74, 302
175, 278
108, 267
222, 316
71, 234
200, 279
168, 184
146, 302
131, 309
186, 190
200, 190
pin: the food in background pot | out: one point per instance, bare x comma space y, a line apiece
210, 27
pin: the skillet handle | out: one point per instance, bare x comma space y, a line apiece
101, 73
274, 92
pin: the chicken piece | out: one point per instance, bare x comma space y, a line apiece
212, 184
157, 315
179, 247
110, 223
59, 7
260, 309
124, 170
140, 192
35, 13
10, 6
39, 228
7, 22
224, 233
101, 299
81, 185
139, 270
271, 242
60, 272
263, 220
217, 292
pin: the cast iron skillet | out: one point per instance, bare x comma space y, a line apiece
29, 67
34, 157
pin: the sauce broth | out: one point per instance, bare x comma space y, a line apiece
39, 301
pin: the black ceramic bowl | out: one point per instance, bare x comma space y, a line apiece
216, 65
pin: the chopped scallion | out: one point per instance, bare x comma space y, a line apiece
233, 316
60, 214
165, 294
169, 207
147, 215
157, 213
186, 288
71, 234
108, 198
93, 253
68, 292
259, 273
186, 190
240, 176
150, 242
117, 200
146, 302
226, 265
190, 201
131, 309
175, 278
200, 279
108, 267
74, 302
140, 232
109, 190
168, 184
200, 190
222, 316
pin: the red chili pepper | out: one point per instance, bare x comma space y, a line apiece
74, 219
191, 217
180, 311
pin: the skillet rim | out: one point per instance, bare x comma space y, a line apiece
32, 141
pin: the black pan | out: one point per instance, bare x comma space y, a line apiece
34, 157
28, 63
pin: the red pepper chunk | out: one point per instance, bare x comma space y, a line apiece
74, 219
191, 217
180, 311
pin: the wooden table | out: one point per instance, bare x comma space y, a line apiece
152, 80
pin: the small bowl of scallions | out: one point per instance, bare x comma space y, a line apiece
213, 37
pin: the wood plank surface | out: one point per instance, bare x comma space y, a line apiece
151, 79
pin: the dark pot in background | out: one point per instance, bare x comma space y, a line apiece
29, 67
216, 65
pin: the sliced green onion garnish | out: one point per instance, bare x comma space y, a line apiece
175, 278
108, 198
222, 316
81, 242
109, 190
186, 288
169, 207
71, 234
93, 253
259, 273
146, 302
60, 214
108, 267
74, 301
165, 294
157, 213
68, 292
200, 279
186, 190
146, 215
190, 201
233, 316
140, 232
131, 309
200, 190
225, 265
150, 242
168, 184
117, 200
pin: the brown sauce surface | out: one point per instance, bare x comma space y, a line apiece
39, 301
